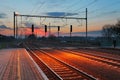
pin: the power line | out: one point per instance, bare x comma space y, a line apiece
78, 10
106, 6
19, 15
89, 4
39, 7
36, 6
70, 6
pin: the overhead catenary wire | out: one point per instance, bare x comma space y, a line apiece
104, 13
87, 5
44, 17
72, 5
37, 6
104, 7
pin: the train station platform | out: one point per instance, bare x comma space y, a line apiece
16, 64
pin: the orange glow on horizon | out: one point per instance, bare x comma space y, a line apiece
37, 32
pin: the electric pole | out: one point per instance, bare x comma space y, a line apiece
86, 27
14, 24
16, 28
49, 30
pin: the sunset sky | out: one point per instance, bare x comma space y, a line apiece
100, 12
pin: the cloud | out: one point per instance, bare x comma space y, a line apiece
29, 24
90, 33
4, 30
60, 14
4, 27
3, 15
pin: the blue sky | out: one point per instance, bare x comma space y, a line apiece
100, 12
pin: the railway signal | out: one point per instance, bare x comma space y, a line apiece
45, 29
58, 30
70, 30
32, 28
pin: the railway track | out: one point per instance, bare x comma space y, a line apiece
97, 52
88, 65
74, 58
107, 60
56, 69
64, 70
45, 68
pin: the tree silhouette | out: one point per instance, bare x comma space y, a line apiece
111, 30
